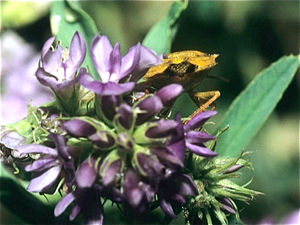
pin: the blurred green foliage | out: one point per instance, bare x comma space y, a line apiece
249, 36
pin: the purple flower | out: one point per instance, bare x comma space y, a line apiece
194, 139
59, 66
58, 71
50, 164
115, 71
110, 66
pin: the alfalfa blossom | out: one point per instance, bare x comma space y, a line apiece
115, 71
58, 70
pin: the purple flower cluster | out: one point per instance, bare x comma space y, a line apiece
125, 149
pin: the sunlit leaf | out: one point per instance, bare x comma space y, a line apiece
253, 106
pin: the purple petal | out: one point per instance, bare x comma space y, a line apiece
149, 107
45, 78
75, 211
186, 184
177, 143
92, 210
130, 60
103, 139
179, 131
63, 153
70, 172
137, 193
125, 142
177, 149
113, 193
132, 193
233, 168
199, 120
109, 104
42, 164
163, 128
148, 58
168, 94
201, 150
86, 174
111, 88
228, 206
44, 181
101, 49
64, 203
78, 128
52, 81
195, 137
100, 88
77, 54
167, 207
51, 60
166, 158
47, 47
114, 65
111, 172
148, 166
34, 148
124, 118
60, 142
173, 189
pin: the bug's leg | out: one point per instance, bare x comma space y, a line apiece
203, 100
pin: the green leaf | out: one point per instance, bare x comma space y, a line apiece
162, 34
253, 106
67, 18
